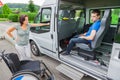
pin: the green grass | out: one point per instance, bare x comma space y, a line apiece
4, 19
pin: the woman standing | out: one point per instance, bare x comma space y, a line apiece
22, 41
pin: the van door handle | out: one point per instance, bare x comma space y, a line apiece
119, 55
51, 36
0, 58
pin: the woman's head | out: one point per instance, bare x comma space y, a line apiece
23, 19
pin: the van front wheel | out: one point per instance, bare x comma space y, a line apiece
34, 49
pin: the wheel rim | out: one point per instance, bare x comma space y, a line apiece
34, 49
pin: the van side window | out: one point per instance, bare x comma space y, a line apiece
117, 36
43, 17
115, 13
46, 15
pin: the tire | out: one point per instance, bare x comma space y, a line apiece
34, 49
25, 74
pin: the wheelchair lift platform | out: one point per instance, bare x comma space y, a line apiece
70, 72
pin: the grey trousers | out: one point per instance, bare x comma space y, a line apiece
24, 52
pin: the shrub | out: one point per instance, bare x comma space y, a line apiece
3, 15
31, 16
13, 17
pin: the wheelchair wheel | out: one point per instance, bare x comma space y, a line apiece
25, 76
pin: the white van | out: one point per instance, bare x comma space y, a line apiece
70, 17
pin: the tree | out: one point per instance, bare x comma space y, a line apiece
6, 9
31, 6
0, 10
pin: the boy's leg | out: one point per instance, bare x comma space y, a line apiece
72, 43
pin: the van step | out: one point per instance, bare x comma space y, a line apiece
70, 72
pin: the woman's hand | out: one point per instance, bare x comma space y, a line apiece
48, 24
40, 24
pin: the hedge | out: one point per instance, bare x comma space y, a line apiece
31, 16
4, 15
13, 17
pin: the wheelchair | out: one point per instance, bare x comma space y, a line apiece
26, 69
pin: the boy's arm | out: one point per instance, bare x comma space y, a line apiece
91, 37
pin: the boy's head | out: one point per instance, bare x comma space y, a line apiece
95, 15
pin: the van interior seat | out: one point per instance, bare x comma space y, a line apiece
105, 24
66, 26
72, 21
80, 23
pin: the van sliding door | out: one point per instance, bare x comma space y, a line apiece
114, 66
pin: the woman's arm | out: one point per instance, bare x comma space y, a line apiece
40, 24
9, 30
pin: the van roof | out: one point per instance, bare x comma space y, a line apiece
96, 3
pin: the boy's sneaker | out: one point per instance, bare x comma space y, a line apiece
65, 53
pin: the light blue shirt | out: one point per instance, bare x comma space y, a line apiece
22, 35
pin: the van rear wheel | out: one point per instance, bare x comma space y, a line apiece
34, 48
